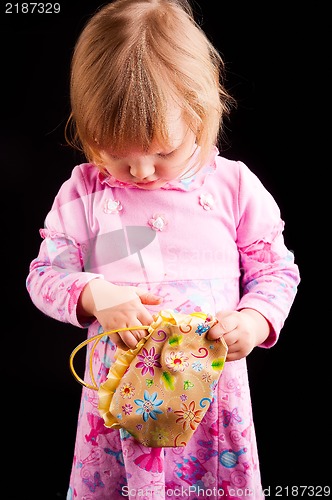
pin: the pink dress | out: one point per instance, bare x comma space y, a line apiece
208, 243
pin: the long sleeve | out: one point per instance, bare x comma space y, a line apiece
57, 276
269, 275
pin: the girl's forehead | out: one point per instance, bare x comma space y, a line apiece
177, 133
176, 126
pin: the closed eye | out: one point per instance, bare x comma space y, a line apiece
166, 155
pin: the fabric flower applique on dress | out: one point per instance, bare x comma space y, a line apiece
157, 222
207, 201
112, 207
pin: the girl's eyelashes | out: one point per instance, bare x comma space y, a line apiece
161, 155
166, 155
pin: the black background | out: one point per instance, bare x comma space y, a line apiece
271, 58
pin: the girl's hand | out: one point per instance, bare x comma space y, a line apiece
117, 307
242, 331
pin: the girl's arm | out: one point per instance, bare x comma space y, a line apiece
269, 275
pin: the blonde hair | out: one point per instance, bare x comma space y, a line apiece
134, 58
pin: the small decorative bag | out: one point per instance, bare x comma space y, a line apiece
160, 391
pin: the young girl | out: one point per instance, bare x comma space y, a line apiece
157, 219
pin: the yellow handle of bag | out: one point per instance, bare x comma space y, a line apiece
96, 339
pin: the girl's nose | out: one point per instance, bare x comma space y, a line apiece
142, 169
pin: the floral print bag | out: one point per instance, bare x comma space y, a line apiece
160, 391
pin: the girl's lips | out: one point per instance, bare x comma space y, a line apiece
150, 185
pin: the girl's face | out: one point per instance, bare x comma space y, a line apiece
159, 165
